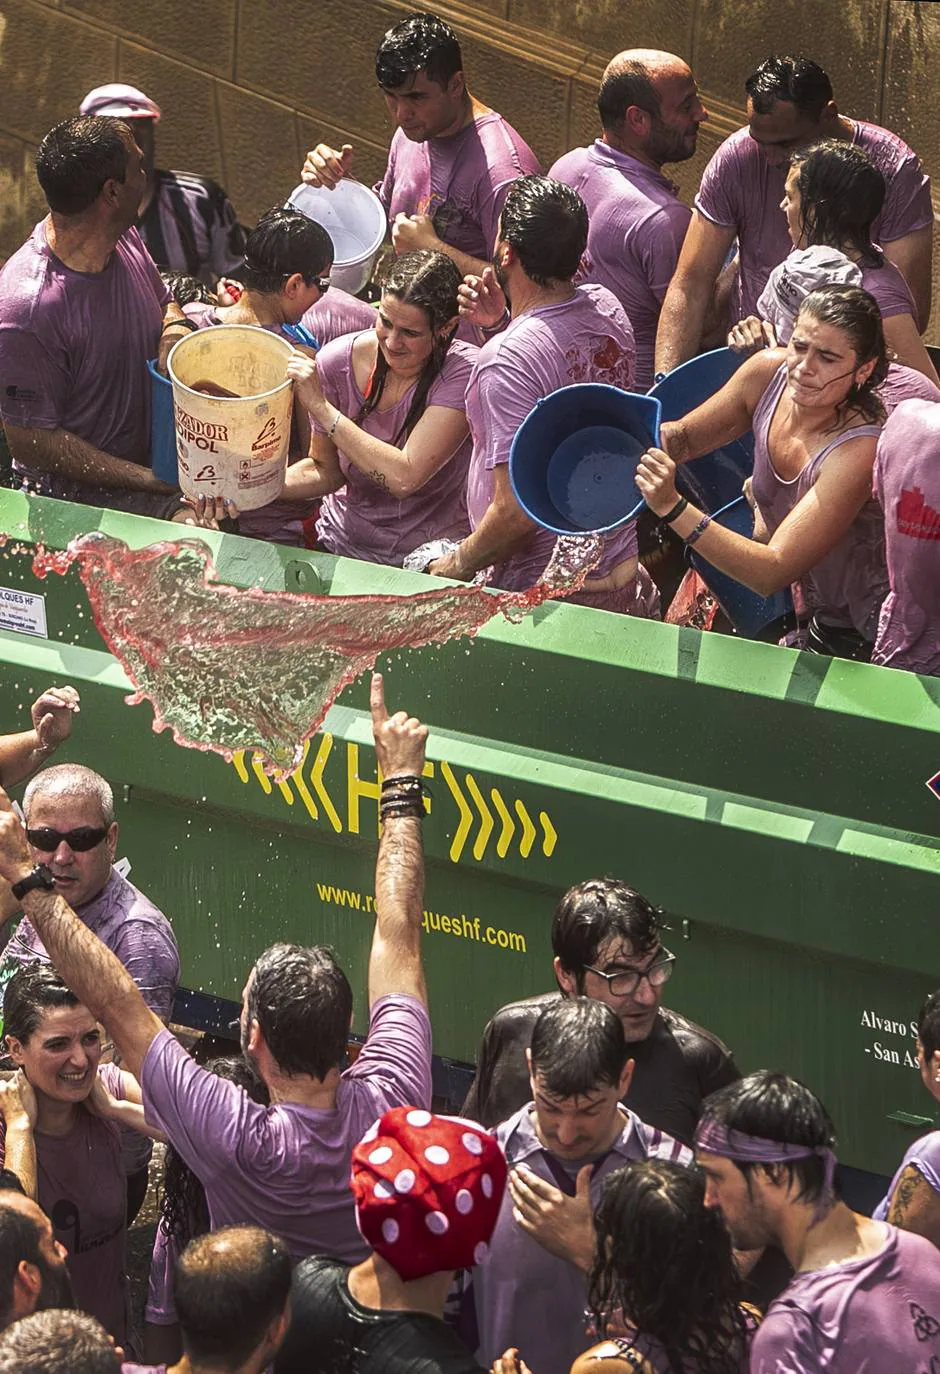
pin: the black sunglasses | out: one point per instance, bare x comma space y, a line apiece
82, 839
321, 283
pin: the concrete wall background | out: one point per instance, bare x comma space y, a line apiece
246, 86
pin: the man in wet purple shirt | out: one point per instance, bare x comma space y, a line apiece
70, 825
650, 114
82, 309
789, 105
530, 1290
557, 334
452, 159
286, 1166
865, 1296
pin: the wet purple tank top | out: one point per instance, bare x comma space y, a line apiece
847, 586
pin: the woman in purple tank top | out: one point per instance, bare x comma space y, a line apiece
664, 1288
391, 442
816, 420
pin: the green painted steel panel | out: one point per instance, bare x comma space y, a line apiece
773, 803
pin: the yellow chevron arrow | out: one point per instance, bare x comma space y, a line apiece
509, 825
528, 830
466, 815
551, 835
486, 815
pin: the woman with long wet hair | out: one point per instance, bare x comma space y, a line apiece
664, 1289
816, 418
391, 442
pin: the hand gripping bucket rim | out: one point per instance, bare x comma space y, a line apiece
569, 491
232, 446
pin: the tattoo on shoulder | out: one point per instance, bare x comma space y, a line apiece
378, 478
909, 1183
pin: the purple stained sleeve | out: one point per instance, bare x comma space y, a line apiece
396, 1056
160, 1309
153, 961
35, 388
783, 1343
507, 395
661, 239
908, 206
203, 1117
716, 198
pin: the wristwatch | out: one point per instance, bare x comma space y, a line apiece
41, 876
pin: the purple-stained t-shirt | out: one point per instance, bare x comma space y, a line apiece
847, 586
361, 520
906, 384
892, 293
741, 191
74, 345
133, 928
878, 1315
143, 1368
907, 485
637, 225
286, 1167
461, 182
337, 313
585, 339
525, 1296
142, 938
82, 1191
924, 1155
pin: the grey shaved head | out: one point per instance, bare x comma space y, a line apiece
71, 780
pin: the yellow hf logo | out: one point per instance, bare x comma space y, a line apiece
491, 820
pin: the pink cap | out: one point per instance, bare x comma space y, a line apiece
120, 102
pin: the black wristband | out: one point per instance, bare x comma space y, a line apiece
676, 511
185, 322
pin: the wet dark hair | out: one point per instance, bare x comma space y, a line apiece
796, 80
184, 1211
56, 1340
598, 910
187, 290
928, 1025
33, 990
428, 280
841, 195
578, 1045
420, 43
546, 223
77, 157
664, 1260
772, 1105
629, 85
284, 242
856, 313
302, 1002
229, 1286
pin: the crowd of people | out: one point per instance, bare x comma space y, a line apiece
809, 246
612, 1191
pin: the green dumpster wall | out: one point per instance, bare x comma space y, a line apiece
773, 803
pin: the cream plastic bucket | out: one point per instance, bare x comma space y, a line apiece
235, 447
355, 220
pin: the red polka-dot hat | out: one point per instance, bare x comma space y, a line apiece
428, 1190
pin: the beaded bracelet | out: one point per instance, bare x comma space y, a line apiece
402, 808
695, 535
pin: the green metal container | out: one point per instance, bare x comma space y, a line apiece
772, 802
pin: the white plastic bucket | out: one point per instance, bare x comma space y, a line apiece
355, 220
237, 446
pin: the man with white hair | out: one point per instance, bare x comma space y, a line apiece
70, 826
187, 222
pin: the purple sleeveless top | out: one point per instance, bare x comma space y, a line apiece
847, 586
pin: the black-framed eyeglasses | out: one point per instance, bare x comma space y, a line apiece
626, 981
83, 838
321, 283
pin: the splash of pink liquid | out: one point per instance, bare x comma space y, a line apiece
227, 668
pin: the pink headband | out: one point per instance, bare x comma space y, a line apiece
717, 1139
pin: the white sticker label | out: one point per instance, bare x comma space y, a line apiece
24, 612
